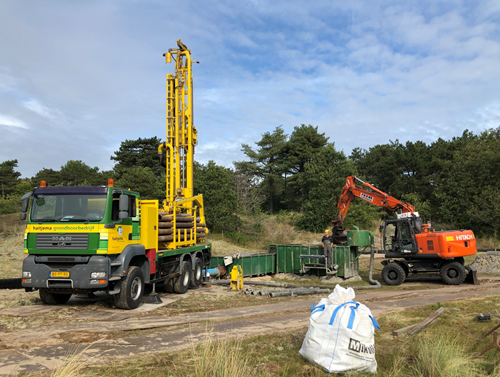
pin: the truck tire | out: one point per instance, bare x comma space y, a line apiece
181, 282
393, 274
50, 298
453, 273
131, 290
197, 275
169, 285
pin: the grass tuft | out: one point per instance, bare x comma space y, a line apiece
442, 355
222, 358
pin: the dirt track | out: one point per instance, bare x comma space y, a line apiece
47, 348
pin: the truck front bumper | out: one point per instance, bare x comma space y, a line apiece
49, 272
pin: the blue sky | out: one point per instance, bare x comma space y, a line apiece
77, 78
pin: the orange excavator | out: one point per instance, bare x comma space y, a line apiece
409, 245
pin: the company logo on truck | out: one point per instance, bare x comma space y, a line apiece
56, 228
465, 237
357, 346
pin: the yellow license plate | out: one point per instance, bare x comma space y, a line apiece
56, 274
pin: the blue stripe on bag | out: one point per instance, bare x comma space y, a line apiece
375, 323
317, 311
318, 308
351, 317
338, 308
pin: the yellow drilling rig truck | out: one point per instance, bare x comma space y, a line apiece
84, 239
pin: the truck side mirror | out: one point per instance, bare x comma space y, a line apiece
23, 216
25, 201
123, 206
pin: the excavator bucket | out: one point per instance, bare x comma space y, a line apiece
471, 277
339, 239
338, 235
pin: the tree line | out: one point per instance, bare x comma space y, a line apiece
453, 182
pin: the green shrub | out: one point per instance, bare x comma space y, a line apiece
10, 204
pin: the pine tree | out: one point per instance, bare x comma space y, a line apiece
266, 163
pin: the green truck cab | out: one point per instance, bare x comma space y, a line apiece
84, 239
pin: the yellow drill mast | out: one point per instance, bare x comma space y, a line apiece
180, 203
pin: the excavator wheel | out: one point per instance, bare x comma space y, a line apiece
393, 274
453, 273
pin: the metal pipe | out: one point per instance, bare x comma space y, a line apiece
211, 271
269, 284
264, 293
297, 292
374, 283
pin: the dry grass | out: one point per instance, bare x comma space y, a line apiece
11, 246
221, 247
282, 232
488, 243
222, 358
257, 233
12, 255
73, 364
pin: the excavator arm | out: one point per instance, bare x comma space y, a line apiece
368, 193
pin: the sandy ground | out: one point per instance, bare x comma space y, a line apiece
98, 342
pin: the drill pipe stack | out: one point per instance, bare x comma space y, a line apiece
183, 222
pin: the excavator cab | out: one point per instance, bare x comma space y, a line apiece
399, 238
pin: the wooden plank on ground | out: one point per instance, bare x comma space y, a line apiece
28, 310
426, 322
415, 328
404, 330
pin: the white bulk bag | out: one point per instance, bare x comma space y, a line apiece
341, 334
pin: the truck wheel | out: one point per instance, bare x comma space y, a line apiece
197, 276
393, 274
50, 298
181, 282
169, 285
131, 290
453, 273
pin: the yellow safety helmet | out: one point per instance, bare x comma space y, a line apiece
326, 231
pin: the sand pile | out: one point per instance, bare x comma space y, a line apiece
488, 263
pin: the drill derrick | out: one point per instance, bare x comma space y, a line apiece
181, 139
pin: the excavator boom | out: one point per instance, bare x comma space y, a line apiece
371, 194
368, 193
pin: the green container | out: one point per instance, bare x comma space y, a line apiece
360, 238
347, 259
252, 263
286, 258
288, 261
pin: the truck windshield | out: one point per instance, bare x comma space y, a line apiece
68, 208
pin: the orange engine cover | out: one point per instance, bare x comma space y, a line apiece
448, 244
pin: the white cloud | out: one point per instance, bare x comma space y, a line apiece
9, 121
38, 108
